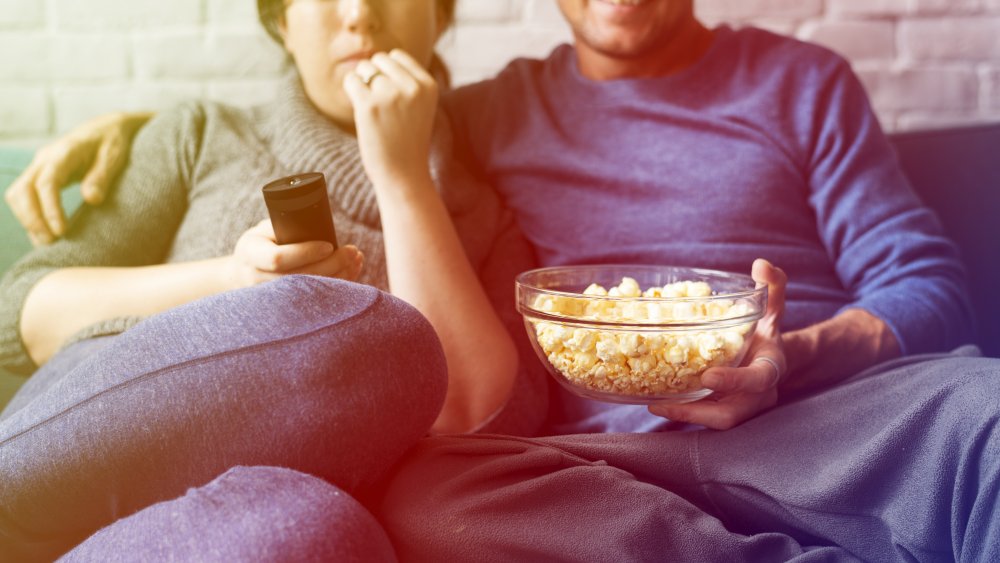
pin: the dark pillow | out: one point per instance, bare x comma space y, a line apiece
957, 172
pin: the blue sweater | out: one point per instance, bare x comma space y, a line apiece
767, 147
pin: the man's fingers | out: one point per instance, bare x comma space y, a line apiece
756, 377
762, 370
23, 202
48, 186
764, 272
726, 413
110, 160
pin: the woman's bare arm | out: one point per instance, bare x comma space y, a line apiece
427, 265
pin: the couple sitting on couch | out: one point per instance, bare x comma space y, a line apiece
848, 433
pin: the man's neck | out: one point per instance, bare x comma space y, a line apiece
684, 50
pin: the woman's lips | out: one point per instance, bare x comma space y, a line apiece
352, 60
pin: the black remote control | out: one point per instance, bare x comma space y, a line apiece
300, 209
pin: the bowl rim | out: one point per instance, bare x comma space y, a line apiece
521, 278
533, 315
759, 290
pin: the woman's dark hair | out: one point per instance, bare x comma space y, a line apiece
272, 12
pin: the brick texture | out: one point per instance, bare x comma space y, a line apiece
951, 39
24, 110
925, 62
18, 13
991, 101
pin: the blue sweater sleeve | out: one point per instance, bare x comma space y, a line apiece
888, 248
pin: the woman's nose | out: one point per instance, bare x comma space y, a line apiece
359, 16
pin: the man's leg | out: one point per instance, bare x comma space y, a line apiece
497, 498
327, 377
248, 514
901, 464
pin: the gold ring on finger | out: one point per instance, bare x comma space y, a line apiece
367, 74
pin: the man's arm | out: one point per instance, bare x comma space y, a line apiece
828, 352
888, 249
134, 228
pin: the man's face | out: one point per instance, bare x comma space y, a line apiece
626, 29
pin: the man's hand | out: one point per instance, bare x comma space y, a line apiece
743, 392
97, 150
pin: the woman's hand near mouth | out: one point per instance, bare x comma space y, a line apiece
393, 114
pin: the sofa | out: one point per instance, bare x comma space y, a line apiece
956, 171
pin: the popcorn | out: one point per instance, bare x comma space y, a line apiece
640, 362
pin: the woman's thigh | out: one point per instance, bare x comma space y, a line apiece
249, 514
52, 372
331, 378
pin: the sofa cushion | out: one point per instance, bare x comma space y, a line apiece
15, 243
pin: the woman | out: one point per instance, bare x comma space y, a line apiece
300, 372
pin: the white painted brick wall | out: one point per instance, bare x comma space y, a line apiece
925, 62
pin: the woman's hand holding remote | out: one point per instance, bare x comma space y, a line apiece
258, 258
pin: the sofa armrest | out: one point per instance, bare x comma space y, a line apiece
15, 242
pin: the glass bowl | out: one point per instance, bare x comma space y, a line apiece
649, 339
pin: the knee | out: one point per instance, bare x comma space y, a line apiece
248, 513
370, 338
329, 336
289, 512
305, 513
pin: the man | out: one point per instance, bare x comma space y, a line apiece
656, 140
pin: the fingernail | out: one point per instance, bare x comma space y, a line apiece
91, 194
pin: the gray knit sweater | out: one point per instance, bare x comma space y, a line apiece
192, 187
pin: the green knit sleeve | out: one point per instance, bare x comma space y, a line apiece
135, 225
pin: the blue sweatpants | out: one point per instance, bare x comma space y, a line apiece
902, 463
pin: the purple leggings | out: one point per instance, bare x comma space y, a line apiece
332, 379
265, 514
